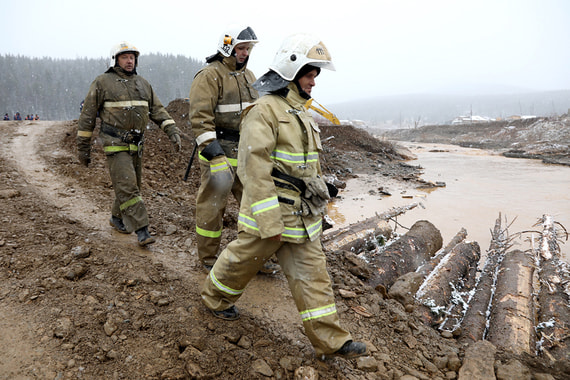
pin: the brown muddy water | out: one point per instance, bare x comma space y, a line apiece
480, 185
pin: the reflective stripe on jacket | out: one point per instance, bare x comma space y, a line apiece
218, 95
277, 132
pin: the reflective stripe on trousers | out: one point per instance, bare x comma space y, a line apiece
304, 266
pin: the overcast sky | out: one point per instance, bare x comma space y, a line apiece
379, 47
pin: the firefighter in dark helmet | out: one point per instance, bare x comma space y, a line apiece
218, 95
126, 103
284, 200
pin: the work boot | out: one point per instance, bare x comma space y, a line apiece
270, 268
230, 314
117, 223
351, 349
144, 237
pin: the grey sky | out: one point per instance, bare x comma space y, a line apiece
379, 47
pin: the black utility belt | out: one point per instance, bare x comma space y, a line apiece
296, 182
227, 134
128, 137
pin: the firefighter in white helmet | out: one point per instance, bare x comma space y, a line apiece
218, 95
284, 200
126, 103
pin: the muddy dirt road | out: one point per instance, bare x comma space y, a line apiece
80, 301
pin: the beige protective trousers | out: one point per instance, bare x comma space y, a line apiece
211, 202
304, 265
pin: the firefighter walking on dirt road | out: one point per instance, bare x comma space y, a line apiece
284, 200
218, 95
125, 102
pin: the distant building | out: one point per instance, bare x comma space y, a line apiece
524, 117
471, 119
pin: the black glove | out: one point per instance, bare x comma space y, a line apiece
84, 157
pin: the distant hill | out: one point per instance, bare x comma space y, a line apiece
408, 111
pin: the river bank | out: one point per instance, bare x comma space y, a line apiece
479, 185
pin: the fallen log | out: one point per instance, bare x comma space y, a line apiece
428, 267
511, 322
363, 235
404, 255
446, 281
553, 329
474, 322
405, 287
460, 302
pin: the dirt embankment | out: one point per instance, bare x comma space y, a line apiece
79, 300
544, 138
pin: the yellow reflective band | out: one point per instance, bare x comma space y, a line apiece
84, 133
219, 167
295, 233
248, 222
126, 103
233, 162
130, 202
294, 157
222, 287
318, 312
120, 148
208, 234
264, 205
315, 228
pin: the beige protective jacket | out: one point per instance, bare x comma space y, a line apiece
218, 95
278, 132
123, 102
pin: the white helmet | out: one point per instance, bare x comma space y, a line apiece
297, 51
120, 48
235, 34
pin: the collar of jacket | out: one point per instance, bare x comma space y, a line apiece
231, 63
120, 72
293, 97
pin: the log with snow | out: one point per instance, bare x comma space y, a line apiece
441, 289
405, 255
474, 322
364, 235
553, 330
406, 286
511, 322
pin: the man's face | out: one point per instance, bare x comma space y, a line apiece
307, 81
242, 51
126, 61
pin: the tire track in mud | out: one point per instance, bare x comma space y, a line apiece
24, 149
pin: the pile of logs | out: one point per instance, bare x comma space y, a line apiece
518, 300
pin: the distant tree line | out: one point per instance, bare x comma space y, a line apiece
54, 88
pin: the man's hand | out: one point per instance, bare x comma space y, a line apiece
84, 157
174, 136
175, 139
